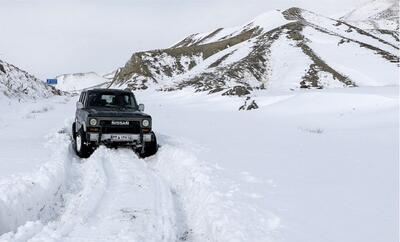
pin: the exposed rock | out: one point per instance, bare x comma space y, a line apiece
237, 91
248, 105
2, 69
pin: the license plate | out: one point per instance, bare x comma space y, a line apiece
119, 123
121, 138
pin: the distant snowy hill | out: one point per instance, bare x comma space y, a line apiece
377, 14
80, 81
279, 50
16, 83
109, 76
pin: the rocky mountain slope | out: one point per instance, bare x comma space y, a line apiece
279, 50
79, 81
16, 83
378, 17
377, 14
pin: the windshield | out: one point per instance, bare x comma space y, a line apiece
113, 100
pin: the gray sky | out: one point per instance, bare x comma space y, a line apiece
52, 37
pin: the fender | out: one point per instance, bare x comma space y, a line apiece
78, 126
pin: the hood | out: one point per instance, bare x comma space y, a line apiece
117, 112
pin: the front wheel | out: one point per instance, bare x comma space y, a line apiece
150, 148
74, 131
82, 148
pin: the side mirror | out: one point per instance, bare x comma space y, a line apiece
79, 105
141, 107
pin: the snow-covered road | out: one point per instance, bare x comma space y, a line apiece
118, 199
308, 166
113, 195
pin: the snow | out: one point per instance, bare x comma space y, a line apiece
80, 81
323, 48
222, 34
235, 53
359, 64
376, 14
370, 9
240, 51
327, 183
267, 21
287, 64
27, 197
19, 84
110, 75
330, 25
20, 126
270, 20
213, 211
310, 165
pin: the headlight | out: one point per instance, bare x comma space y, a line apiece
145, 123
93, 121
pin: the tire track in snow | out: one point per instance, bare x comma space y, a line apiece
80, 186
112, 196
136, 205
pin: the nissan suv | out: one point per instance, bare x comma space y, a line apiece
113, 118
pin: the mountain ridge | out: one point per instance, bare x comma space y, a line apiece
376, 14
286, 50
17, 83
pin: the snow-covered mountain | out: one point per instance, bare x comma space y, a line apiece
109, 76
79, 81
279, 50
17, 83
376, 14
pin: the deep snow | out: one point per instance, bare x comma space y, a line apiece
314, 165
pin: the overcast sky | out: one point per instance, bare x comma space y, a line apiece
52, 37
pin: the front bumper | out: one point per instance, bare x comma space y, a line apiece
129, 139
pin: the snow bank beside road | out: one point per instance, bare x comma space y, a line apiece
27, 197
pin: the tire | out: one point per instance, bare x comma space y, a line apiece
150, 148
82, 149
74, 131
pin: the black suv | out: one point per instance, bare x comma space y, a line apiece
112, 117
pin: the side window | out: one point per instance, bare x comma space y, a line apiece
81, 97
84, 99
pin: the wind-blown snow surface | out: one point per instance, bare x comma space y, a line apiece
316, 165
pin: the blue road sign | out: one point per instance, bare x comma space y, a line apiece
52, 81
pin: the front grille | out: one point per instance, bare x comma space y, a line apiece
108, 128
